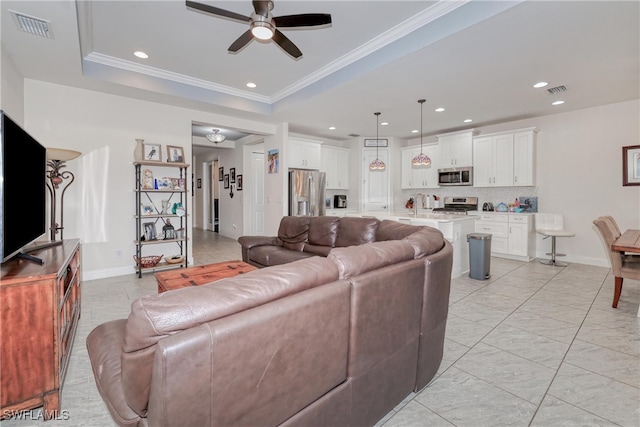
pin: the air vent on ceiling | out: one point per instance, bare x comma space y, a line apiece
32, 25
353, 135
557, 89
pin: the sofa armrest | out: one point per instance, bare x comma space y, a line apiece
249, 242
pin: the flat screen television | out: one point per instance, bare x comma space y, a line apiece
23, 201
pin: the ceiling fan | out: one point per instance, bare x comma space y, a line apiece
264, 26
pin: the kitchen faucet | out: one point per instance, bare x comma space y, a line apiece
415, 203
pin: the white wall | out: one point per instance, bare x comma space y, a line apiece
99, 206
12, 88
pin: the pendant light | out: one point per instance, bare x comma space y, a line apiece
377, 164
421, 159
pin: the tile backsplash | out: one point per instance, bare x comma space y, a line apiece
495, 195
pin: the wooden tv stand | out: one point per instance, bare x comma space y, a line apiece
38, 322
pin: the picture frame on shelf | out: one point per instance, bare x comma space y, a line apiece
631, 165
149, 231
177, 184
152, 152
239, 177
226, 180
380, 142
232, 175
148, 210
163, 183
220, 173
175, 154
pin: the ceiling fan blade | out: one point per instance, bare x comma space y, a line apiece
286, 44
261, 7
201, 7
302, 20
241, 41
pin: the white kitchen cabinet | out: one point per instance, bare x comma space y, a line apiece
420, 176
456, 149
493, 161
512, 234
335, 163
524, 158
304, 154
505, 159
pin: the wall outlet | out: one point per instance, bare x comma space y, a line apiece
234, 226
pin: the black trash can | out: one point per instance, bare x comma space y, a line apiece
479, 255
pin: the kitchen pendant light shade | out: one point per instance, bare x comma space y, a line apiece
216, 137
421, 159
377, 164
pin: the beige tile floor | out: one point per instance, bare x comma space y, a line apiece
533, 345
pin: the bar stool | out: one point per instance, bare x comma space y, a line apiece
552, 225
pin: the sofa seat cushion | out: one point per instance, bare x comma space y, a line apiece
276, 255
154, 317
102, 343
356, 231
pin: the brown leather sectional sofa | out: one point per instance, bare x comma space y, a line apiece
333, 341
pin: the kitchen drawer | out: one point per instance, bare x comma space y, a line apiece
494, 218
518, 219
496, 229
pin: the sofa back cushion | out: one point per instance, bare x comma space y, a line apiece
323, 230
154, 317
356, 231
352, 261
294, 232
426, 241
394, 230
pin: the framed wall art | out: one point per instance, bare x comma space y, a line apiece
226, 180
220, 174
376, 142
152, 152
631, 165
239, 182
232, 175
175, 154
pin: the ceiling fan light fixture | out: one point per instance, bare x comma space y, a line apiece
261, 27
215, 137
421, 159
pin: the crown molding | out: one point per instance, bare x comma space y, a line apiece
111, 61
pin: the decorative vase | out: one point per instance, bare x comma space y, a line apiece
138, 151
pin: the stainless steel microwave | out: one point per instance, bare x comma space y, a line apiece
455, 176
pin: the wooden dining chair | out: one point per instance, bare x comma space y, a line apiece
623, 266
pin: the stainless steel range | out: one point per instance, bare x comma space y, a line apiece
458, 205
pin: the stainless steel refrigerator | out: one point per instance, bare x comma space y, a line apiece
306, 192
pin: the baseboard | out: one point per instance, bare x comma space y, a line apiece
114, 272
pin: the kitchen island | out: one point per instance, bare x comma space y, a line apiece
454, 228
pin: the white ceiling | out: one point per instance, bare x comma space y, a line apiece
477, 59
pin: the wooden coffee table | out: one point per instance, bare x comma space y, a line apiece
200, 274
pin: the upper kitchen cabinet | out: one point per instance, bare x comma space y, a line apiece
493, 161
335, 162
524, 158
420, 176
456, 149
504, 159
304, 154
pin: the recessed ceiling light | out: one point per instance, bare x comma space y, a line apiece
557, 103
540, 84
439, 109
332, 128
140, 54
251, 85
468, 121
415, 131
384, 124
